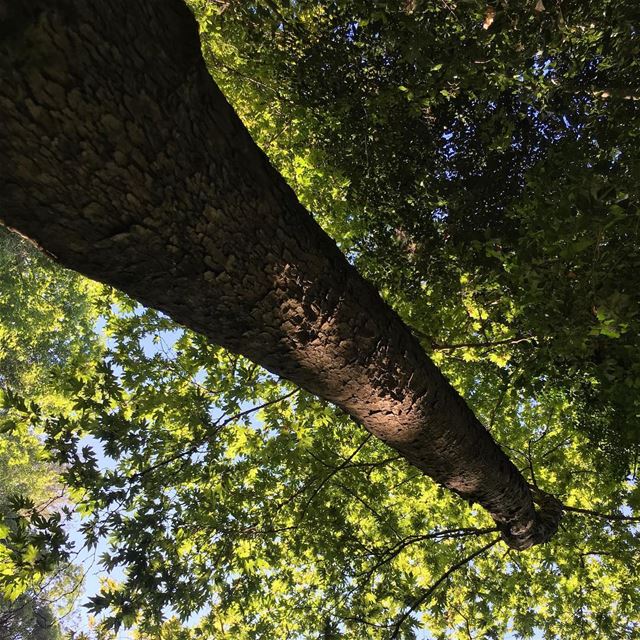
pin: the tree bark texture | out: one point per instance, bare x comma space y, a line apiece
122, 159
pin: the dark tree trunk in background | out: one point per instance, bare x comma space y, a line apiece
121, 158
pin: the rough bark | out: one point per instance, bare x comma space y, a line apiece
121, 158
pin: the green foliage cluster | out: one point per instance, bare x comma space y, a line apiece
46, 320
479, 164
228, 494
46, 325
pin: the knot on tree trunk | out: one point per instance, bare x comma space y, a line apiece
541, 529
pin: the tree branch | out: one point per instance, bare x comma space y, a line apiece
484, 344
331, 474
425, 595
446, 534
218, 425
480, 345
598, 514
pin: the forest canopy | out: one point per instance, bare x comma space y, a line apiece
479, 165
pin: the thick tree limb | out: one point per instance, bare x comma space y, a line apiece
121, 158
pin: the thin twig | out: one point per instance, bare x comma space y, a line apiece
530, 461
599, 514
447, 534
218, 425
331, 474
427, 593
480, 345
485, 344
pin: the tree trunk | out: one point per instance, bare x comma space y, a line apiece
122, 159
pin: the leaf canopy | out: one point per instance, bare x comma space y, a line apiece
479, 164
